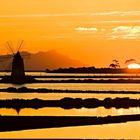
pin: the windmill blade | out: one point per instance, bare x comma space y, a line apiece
6, 45
10, 48
18, 43
21, 45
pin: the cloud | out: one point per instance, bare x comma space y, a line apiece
86, 29
118, 21
117, 13
125, 32
113, 33
41, 15
111, 13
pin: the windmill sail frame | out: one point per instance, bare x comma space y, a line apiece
17, 72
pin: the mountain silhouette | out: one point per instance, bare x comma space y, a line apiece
41, 61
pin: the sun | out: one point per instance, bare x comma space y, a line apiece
134, 66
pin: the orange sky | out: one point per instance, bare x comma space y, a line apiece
93, 31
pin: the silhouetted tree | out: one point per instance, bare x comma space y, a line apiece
129, 61
115, 64
112, 66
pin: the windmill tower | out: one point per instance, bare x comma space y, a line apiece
17, 73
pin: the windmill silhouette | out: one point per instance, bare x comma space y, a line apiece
17, 71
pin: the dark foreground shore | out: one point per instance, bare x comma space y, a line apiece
15, 123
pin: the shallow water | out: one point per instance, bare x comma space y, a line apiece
58, 96
86, 86
56, 111
118, 131
79, 86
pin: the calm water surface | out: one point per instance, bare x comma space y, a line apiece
58, 96
79, 86
118, 131
56, 111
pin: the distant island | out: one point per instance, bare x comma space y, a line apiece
40, 61
93, 70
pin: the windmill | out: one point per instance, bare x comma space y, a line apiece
17, 71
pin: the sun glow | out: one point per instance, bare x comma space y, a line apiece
134, 66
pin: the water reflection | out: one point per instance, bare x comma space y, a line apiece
54, 111
58, 96
124, 130
79, 86
86, 86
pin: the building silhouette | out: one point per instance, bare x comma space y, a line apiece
18, 73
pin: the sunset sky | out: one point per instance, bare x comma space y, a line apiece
92, 31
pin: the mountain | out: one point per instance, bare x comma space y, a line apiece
41, 61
